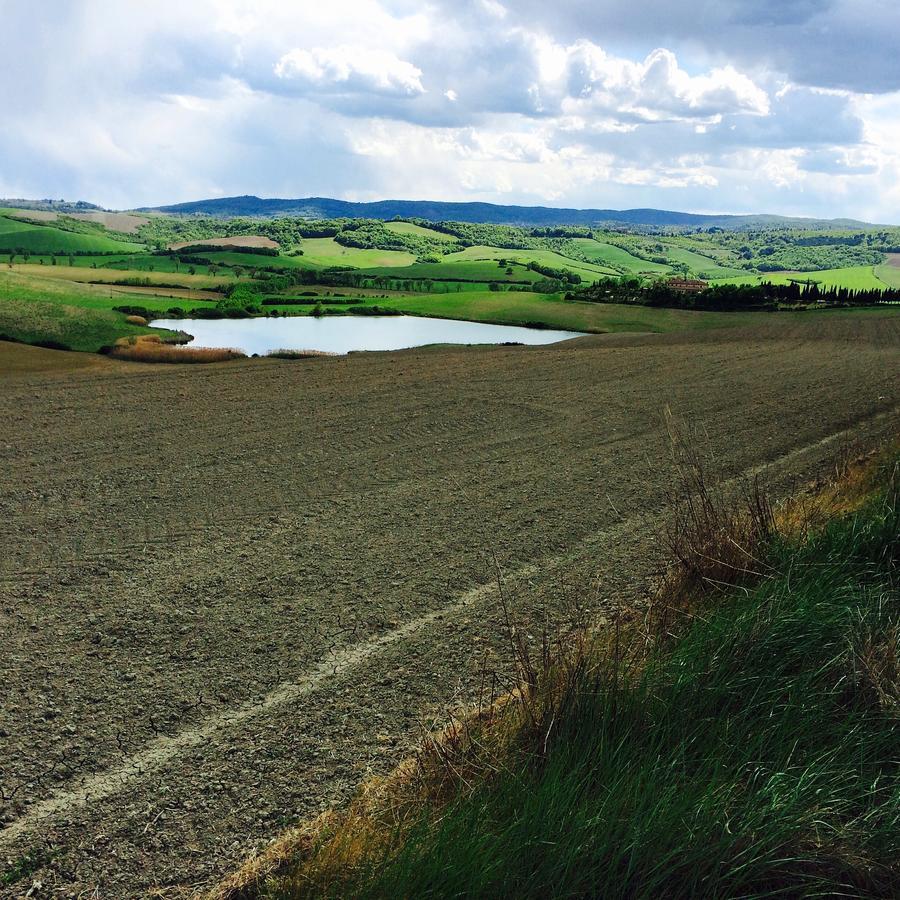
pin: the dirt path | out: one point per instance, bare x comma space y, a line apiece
230, 594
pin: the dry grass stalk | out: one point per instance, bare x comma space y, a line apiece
150, 349
298, 354
715, 541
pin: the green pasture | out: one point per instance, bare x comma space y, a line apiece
74, 316
17, 235
699, 264
481, 253
420, 231
328, 252
552, 310
610, 255
853, 277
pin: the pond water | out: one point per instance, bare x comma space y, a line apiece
341, 334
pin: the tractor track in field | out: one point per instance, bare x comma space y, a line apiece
165, 749
230, 595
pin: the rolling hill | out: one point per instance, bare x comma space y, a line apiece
489, 213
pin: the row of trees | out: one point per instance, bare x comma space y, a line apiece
725, 297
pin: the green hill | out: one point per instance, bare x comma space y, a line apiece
17, 236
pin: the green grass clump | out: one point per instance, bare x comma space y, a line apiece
754, 756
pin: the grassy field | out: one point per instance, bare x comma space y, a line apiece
615, 256
482, 271
161, 275
699, 264
327, 252
505, 308
889, 272
24, 285
419, 231
18, 235
75, 316
544, 257
65, 327
855, 277
456, 286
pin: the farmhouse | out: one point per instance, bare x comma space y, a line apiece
687, 285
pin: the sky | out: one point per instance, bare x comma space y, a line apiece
745, 106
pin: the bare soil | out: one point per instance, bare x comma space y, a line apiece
243, 240
22, 359
182, 293
229, 593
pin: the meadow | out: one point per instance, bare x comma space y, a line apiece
854, 277
451, 271
620, 259
17, 235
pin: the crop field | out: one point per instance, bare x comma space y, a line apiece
229, 595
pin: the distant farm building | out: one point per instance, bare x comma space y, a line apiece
687, 285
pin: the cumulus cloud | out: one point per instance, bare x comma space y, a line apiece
354, 69
847, 44
735, 105
656, 88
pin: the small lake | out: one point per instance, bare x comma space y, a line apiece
342, 334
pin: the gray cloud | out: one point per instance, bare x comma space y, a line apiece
848, 44
710, 105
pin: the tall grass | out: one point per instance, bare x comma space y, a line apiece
754, 754
298, 354
151, 349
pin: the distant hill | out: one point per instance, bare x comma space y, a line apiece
59, 206
437, 211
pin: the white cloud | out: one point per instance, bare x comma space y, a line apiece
656, 88
354, 69
571, 103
